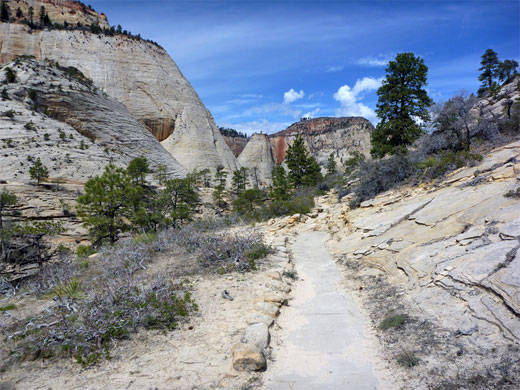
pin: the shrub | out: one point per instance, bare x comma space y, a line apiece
9, 114
436, 165
381, 175
393, 321
84, 251
6, 308
30, 126
10, 75
513, 194
407, 359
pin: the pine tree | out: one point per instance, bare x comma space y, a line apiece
178, 201
220, 186
248, 201
506, 70
331, 165
402, 101
106, 205
31, 17
4, 12
7, 200
239, 180
280, 189
38, 171
137, 169
489, 67
42, 16
303, 168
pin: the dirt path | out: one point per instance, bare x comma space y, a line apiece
322, 338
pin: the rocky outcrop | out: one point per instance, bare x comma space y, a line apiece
446, 255
59, 11
58, 115
236, 144
258, 158
323, 136
138, 74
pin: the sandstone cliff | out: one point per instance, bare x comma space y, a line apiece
138, 74
56, 114
236, 144
258, 158
324, 136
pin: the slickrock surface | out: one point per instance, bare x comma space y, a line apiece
446, 256
257, 157
324, 136
138, 74
75, 129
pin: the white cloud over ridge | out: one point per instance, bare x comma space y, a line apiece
350, 98
311, 114
257, 126
291, 96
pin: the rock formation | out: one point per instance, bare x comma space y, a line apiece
138, 74
59, 11
448, 256
236, 144
58, 115
324, 136
258, 158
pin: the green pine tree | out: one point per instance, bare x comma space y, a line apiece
7, 201
402, 101
38, 171
106, 205
4, 11
331, 165
239, 180
280, 189
506, 70
219, 190
248, 201
137, 169
303, 168
489, 67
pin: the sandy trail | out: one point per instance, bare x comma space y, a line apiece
324, 345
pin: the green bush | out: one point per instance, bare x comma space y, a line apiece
84, 251
437, 165
393, 321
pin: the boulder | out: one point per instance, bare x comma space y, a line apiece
248, 357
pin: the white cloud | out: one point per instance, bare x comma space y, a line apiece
258, 126
291, 96
311, 114
350, 98
373, 61
331, 69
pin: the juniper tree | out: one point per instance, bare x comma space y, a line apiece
402, 102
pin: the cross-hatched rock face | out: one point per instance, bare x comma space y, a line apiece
58, 115
138, 74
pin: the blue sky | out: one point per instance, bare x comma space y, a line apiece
261, 65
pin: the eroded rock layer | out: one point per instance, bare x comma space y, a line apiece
58, 115
324, 136
258, 158
138, 74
